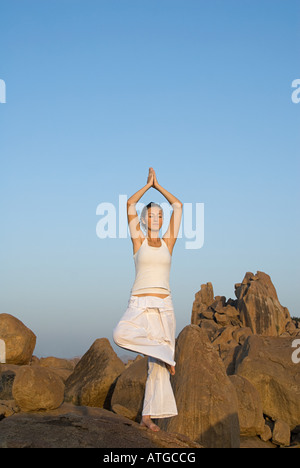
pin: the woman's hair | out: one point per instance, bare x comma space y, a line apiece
144, 213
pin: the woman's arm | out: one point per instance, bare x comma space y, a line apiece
137, 195
132, 216
171, 199
173, 229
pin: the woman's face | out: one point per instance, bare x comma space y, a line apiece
154, 218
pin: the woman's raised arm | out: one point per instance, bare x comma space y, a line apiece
172, 232
132, 216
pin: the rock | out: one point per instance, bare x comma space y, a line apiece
210, 327
228, 352
93, 379
203, 299
250, 411
58, 363
128, 395
6, 383
36, 389
240, 334
266, 434
206, 399
259, 306
84, 427
62, 367
19, 340
7, 408
256, 442
281, 433
266, 362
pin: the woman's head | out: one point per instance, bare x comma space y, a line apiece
152, 217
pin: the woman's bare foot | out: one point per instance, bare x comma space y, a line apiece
170, 368
146, 422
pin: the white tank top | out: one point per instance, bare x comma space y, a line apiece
152, 268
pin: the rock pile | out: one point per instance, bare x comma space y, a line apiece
236, 383
254, 336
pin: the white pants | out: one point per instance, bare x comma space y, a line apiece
148, 327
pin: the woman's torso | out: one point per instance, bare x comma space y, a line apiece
163, 257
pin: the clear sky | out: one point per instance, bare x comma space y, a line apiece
97, 91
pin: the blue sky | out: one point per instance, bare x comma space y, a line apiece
96, 93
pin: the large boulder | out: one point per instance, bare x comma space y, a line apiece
267, 363
206, 399
37, 389
19, 340
94, 377
250, 410
128, 395
259, 306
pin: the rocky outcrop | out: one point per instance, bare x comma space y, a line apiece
206, 399
257, 308
255, 338
93, 379
83, 427
19, 341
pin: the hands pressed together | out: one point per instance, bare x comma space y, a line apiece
152, 178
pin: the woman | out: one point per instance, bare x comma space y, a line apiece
148, 325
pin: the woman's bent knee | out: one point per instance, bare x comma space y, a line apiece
117, 335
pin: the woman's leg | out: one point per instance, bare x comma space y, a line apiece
140, 330
159, 400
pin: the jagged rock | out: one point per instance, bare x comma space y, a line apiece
93, 379
128, 395
19, 340
256, 307
267, 363
259, 306
211, 328
206, 399
240, 334
203, 299
83, 427
36, 388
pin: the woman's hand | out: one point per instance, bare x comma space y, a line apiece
155, 183
150, 179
